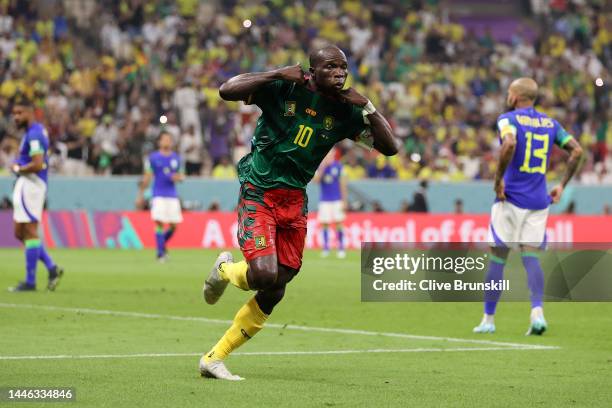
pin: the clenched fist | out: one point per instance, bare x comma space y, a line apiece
293, 73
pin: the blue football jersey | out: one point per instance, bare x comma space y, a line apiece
330, 182
525, 177
163, 167
35, 141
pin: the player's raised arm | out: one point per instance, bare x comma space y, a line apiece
241, 87
575, 156
384, 139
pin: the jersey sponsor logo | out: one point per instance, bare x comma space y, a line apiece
290, 108
328, 123
260, 242
311, 112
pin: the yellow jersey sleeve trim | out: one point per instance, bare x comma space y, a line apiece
507, 129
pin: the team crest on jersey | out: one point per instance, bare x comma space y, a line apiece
290, 108
173, 163
328, 123
260, 242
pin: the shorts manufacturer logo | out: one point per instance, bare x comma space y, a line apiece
290, 108
260, 242
328, 123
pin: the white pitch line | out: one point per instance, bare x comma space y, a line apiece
262, 353
275, 325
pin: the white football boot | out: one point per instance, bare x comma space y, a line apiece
217, 369
215, 285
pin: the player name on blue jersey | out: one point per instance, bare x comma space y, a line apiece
525, 177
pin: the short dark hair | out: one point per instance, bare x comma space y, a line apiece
22, 100
162, 133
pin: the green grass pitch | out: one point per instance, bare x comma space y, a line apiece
115, 306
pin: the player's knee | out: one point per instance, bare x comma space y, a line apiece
18, 233
263, 272
500, 252
263, 279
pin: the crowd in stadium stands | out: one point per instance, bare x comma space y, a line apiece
103, 73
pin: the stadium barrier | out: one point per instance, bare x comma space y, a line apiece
118, 193
134, 229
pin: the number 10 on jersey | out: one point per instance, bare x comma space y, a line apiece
303, 136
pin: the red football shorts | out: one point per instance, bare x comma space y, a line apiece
272, 221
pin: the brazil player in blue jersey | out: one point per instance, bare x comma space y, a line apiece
332, 201
29, 194
165, 167
520, 211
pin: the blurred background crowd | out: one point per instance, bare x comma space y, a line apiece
108, 75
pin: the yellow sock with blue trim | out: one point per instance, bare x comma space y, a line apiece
248, 321
235, 273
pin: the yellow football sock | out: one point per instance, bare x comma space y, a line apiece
248, 321
236, 274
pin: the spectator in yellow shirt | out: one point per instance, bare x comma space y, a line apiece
225, 170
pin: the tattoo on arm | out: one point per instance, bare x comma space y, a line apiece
573, 162
505, 156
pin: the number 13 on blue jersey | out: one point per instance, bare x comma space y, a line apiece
538, 153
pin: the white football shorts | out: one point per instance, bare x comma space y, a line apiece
166, 209
331, 212
511, 226
29, 198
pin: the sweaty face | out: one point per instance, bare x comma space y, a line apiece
331, 71
20, 116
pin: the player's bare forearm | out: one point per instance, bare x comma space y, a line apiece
36, 165
178, 177
505, 156
573, 162
240, 87
146, 180
384, 139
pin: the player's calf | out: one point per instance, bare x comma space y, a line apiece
267, 299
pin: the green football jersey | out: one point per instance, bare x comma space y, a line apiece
296, 130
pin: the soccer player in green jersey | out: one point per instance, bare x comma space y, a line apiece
303, 117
